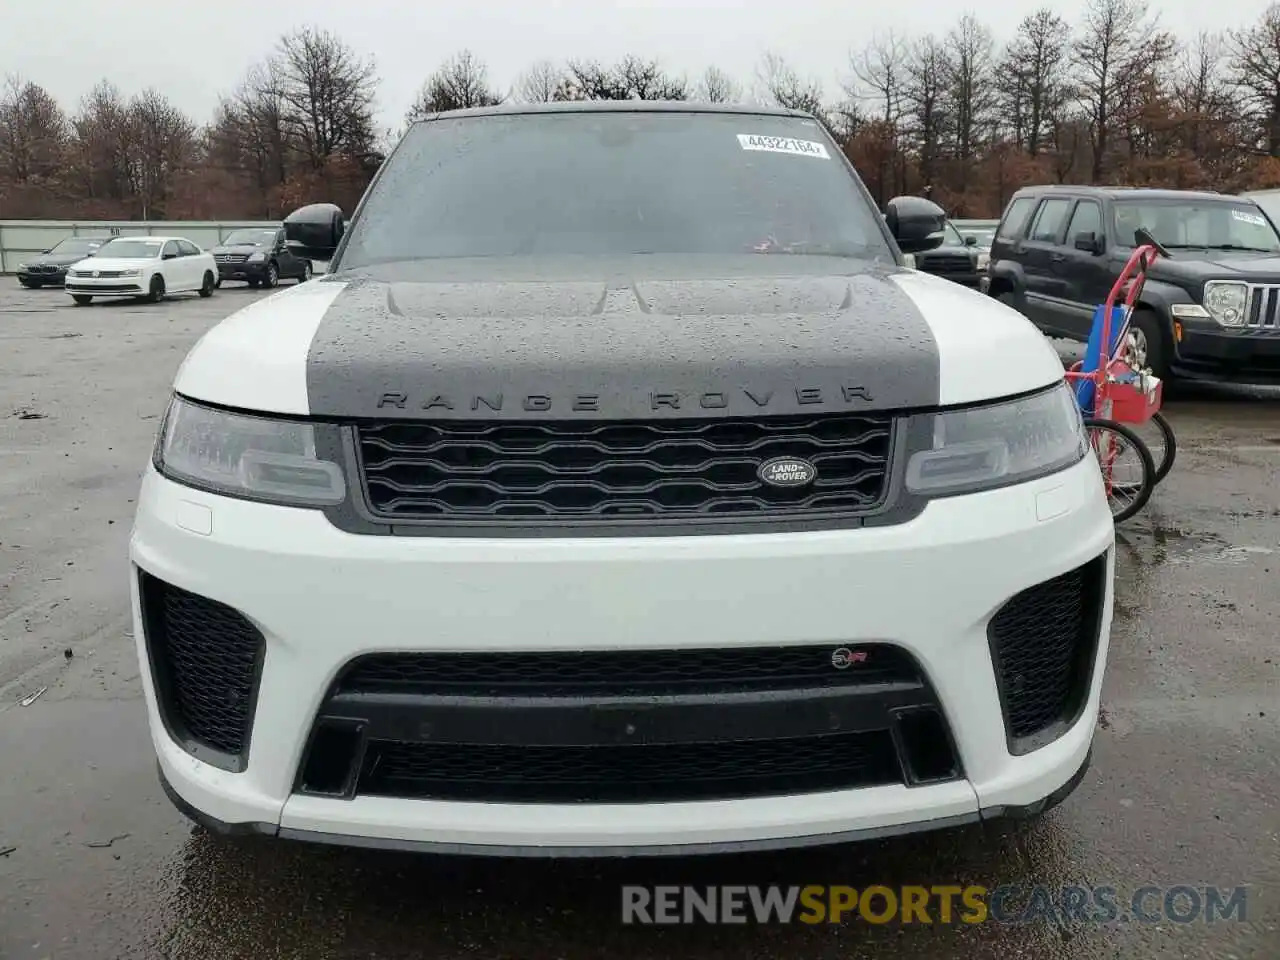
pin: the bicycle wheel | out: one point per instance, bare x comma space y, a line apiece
1164, 449
1115, 445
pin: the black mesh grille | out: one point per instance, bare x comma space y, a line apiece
1043, 643
629, 773
205, 658
624, 672
693, 469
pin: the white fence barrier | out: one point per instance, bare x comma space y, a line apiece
23, 239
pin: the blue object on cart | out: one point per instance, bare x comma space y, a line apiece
1085, 389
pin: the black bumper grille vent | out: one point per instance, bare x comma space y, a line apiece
679, 469
651, 773
1043, 644
205, 660
624, 672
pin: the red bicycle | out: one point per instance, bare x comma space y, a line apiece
1115, 397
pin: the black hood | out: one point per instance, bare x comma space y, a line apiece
1198, 265
621, 339
56, 259
237, 248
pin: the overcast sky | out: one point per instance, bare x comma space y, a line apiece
192, 51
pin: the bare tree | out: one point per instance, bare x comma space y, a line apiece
1255, 69
879, 74
327, 94
716, 86
631, 79
539, 83
1032, 84
460, 83
101, 156
248, 133
1119, 48
33, 132
1201, 92
160, 143
782, 86
925, 97
971, 95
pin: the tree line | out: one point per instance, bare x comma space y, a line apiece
1113, 98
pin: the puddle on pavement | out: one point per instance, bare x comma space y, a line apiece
1177, 546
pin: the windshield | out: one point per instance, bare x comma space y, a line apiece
131, 249
951, 236
614, 184
76, 247
250, 238
1197, 225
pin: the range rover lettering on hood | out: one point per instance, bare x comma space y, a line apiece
693, 348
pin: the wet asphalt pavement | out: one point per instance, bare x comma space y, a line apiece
95, 863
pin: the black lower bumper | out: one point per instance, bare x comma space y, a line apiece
1029, 811
42, 279
242, 271
653, 742
1241, 356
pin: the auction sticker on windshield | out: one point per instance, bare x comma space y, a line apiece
1247, 217
804, 148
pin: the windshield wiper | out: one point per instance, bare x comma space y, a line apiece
1217, 246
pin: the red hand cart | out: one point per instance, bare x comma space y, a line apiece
1115, 397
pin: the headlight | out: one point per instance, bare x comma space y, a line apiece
22, 266
256, 458
130, 273
1226, 301
257, 257
984, 261
981, 448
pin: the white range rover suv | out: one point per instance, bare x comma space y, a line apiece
619, 491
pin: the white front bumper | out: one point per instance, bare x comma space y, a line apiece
108, 286
321, 597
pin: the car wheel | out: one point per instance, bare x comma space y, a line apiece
206, 288
1147, 343
82, 299
273, 276
306, 271
156, 293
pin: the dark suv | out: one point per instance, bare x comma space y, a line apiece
1210, 311
261, 256
956, 259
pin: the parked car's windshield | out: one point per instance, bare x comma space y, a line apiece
137, 249
1208, 224
951, 236
246, 238
553, 184
76, 246
984, 236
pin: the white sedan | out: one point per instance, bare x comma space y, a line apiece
149, 267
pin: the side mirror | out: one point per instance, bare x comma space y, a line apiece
1088, 242
169, 256
970, 241
314, 231
916, 223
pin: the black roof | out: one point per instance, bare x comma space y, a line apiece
1127, 193
621, 106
